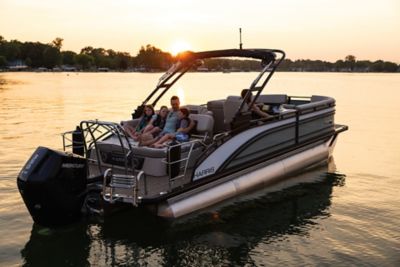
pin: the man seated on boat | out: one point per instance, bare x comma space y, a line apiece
170, 124
184, 126
256, 112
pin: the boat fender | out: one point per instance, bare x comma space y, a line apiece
77, 142
174, 155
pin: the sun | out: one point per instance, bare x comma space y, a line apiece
179, 46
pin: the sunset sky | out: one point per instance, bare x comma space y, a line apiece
308, 29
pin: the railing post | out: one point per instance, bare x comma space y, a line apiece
136, 193
105, 183
297, 126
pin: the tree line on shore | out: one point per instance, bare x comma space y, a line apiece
33, 55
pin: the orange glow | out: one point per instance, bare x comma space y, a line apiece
312, 29
179, 46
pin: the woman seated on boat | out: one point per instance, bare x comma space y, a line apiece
184, 126
256, 112
135, 132
157, 122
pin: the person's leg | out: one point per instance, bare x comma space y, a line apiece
148, 128
155, 130
147, 139
129, 130
163, 139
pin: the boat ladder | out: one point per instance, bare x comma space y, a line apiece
121, 187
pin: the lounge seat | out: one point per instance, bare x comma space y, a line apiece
198, 109
217, 109
231, 106
273, 99
204, 125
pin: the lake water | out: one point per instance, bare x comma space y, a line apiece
343, 214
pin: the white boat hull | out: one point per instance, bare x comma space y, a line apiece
177, 207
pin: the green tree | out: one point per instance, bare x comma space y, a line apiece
51, 57
362, 65
339, 65
84, 61
3, 61
35, 52
389, 66
28, 61
123, 60
11, 50
99, 55
68, 57
153, 58
57, 43
350, 62
350, 58
87, 50
377, 66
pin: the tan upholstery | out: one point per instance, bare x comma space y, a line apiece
198, 109
217, 109
272, 99
231, 106
131, 123
204, 124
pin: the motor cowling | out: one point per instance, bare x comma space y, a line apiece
53, 186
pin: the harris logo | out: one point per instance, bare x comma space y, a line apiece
204, 172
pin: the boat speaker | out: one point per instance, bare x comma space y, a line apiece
53, 186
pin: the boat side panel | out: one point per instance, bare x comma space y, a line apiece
219, 157
244, 183
214, 161
264, 145
314, 127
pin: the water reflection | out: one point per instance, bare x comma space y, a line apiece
2, 83
62, 247
226, 236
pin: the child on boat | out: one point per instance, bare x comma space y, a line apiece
133, 132
184, 126
157, 122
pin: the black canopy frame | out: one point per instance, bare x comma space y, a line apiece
270, 59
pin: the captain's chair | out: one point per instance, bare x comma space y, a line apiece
231, 106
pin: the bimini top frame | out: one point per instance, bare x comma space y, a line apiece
270, 60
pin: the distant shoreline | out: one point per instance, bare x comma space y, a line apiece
39, 57
162, 71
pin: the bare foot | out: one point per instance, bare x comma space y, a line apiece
158, 145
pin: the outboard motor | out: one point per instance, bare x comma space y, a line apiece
53, 186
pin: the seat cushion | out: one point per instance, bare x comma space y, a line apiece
273, 99
204, 123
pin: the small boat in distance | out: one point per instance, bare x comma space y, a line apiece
231, 152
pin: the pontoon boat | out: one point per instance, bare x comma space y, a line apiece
229, 154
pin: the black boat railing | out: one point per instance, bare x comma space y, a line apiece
93, 131
177, 166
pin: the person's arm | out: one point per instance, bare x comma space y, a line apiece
259, 112
185, 126
149, 127
152, 120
